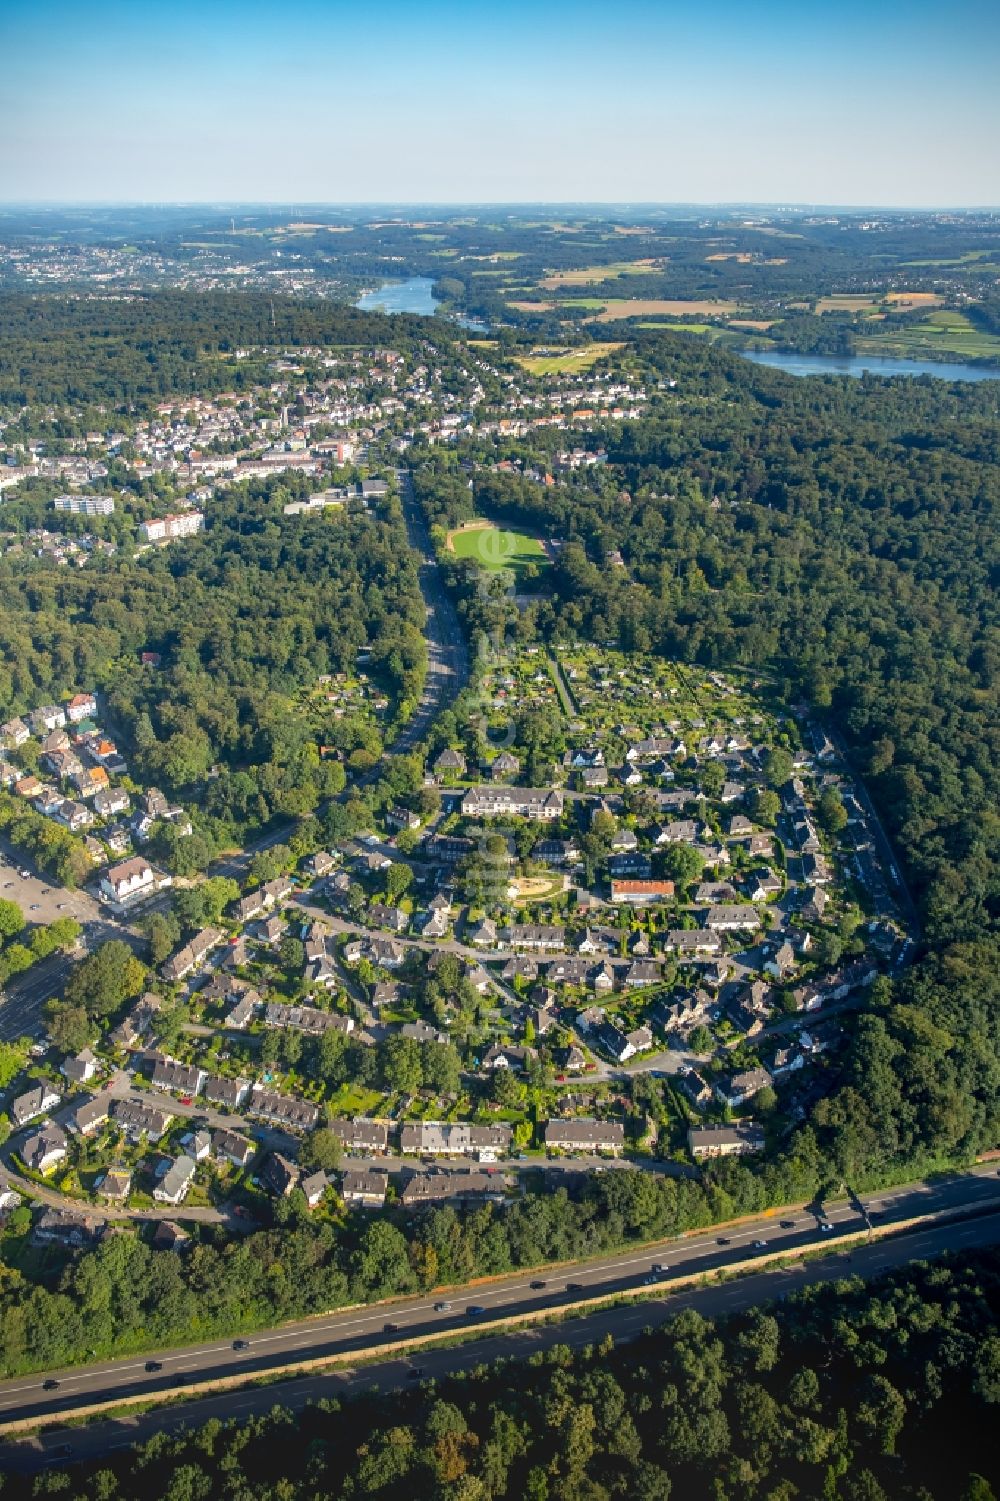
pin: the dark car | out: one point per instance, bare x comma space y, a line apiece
574, 1287
154, 1365
51, 1385
722, 1240
474, 1308
537, 1285
390, 1328
657, 1267
442, 1307
241, 1344
787, 1224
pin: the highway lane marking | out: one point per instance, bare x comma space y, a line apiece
683, 1251
424, 1308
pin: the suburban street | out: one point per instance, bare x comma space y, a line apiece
622, 1322
451, 1312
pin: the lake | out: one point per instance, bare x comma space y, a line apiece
833, 364
413, 296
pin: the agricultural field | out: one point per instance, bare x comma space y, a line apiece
563, 361
614, 309
494, 548
942, 333
583, 276
846, 302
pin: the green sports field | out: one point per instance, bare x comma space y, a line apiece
493, 547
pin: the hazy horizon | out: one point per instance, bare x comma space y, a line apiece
325, 102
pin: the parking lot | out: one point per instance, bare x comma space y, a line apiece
23, 999
38, 899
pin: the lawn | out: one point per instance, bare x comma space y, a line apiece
493, 548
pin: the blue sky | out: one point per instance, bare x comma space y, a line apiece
440, 101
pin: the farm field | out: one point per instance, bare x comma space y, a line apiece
612, 310
941, 333
583, 276
846, 302
494, 548
905, 300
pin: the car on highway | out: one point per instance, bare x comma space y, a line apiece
537, 1285
787, 1224
154, 1365
241, 1344
825, 1227
442, 1307
390, 1328
50, 1385
475, 1308
722, 1240
759, 1245
657, 1267
574, 1287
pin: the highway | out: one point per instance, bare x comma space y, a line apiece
102, 1437
448, 1312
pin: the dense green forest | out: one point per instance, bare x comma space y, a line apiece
850, 1391
241, 617
128, 354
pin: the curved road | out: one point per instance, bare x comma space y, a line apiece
448, 1312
